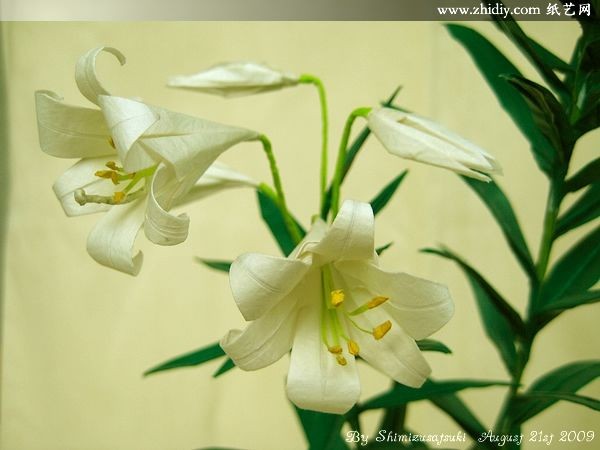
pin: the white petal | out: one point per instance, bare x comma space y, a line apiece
235, 79
396, 354
419, 306
82, 176
315, 380
161, 227
128, 120
403, 136
258, 282
69, 131
190, 144
351, 236
264, 340
217, 177
85, 73
111, 241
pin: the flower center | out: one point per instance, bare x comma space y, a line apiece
118, 176
333, 311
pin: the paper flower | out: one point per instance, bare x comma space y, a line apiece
235, 79
413, 137
137, 162
329, 302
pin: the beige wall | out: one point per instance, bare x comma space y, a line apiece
77, 336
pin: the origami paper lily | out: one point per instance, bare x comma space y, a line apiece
235, 79
137, 162
413, 137
329, 302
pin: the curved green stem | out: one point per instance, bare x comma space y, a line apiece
310, 79
341, 158
289, 221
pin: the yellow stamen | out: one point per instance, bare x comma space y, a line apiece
337, 297
111, 142
112, 165
380, 330
118, 197
376, 301
109, 175
353, 347
335, 349
341, 360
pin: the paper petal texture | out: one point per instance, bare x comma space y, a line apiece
235, 79
413, 137
376, 314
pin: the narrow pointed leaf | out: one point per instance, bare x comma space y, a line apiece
572, 301
225, 367
216, 264
501, 322
584, 210
431, 345
573, 398
548, 115
587, 175
566, 379
499, 206
322, 430
401, 394
576, 271
463, 416
274, 220
492, 63
385, 195
193, 358
383, 248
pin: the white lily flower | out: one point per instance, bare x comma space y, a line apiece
235, 79
136, 162
328, 302
413, 137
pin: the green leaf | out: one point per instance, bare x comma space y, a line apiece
587, 108
575, 272
566, 379
274, 220
216, 264
572, 301
193, 358
499, 206
462, 415
400, 394
385, 195
573, 398
383, 248
501, 322
587, 175
585, 209
543, 60
431, 345
225, 367
549, 116
322, 430
491, 63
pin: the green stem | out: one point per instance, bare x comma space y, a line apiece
310, 79
289, 221
341, 159
551, 214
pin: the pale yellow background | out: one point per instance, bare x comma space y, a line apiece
78, 336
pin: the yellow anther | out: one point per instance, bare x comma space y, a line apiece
376, 301
111, 142
380, 330
109, 175
341, 360
118, 197
353, 347
337, 297
112, 165
335, 349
